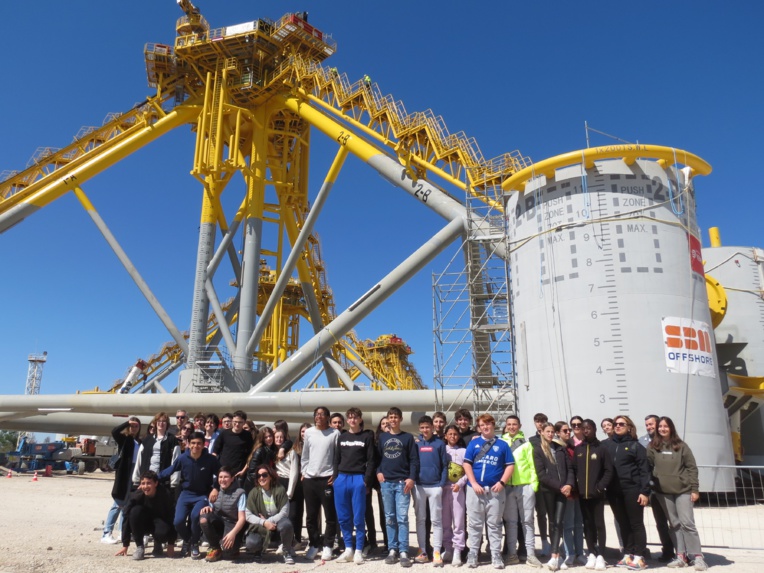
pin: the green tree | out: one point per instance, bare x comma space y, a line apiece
8, 440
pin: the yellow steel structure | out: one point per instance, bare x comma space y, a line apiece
251, 93
387, 358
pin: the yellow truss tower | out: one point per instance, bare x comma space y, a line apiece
252, 92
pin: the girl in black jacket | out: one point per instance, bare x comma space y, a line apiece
555, 484
262, 455
629, 490
593, 470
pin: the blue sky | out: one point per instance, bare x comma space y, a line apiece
514, 75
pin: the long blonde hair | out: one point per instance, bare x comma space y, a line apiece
546, 444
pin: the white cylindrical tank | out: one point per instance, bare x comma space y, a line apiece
610, 306
740, 336
740, 270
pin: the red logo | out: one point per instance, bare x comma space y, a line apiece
696, 258
687, 338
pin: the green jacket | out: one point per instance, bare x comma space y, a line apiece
525, 469
256, 507
673, 472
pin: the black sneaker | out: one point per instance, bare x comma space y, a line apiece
195, 554
157, 551
392, 557
185, 549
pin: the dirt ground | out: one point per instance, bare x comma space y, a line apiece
54, 525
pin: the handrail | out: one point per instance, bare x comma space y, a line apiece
628, 152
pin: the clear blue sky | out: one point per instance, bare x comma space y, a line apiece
514, 75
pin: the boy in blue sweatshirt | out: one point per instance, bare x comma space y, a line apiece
198, 469
433, 475
397, 472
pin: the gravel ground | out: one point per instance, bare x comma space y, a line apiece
54, 525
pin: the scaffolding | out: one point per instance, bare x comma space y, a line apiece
472, 324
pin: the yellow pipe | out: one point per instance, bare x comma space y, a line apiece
715, 237
331, 128
627, 152
385, 141
66, 179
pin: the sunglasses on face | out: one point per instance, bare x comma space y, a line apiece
566, 431
181, 417
620, 424
576, 425
263, 476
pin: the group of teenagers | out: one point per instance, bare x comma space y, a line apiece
238, 486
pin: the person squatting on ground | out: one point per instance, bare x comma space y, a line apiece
521, 494
316, 465
555, 484
267, 510
488, 463
353, 468
675, 477
428, 491
127, 437
629, 491
593, 470
224, 519
397, 472
148, 511
454, 499
198, 469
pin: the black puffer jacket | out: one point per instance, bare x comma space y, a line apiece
593, 468
124, 470
552, 476
629, 458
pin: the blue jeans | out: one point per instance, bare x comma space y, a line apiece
573, 529
396, 515
187, 508
111, 517
350, 502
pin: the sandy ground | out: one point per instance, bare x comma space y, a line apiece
54, 525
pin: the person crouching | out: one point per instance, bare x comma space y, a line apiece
223, 521
149, 511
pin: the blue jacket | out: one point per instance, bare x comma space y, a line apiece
433, 462
196, 476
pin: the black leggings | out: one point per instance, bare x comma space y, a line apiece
554, 507
593, 512
317, 495
630, 517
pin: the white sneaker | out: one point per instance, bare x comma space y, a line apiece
280, 550
553, 564
600, 564
311, 552
564, 565
358, 557
591, 561
346, 557
109, 540
326, 554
